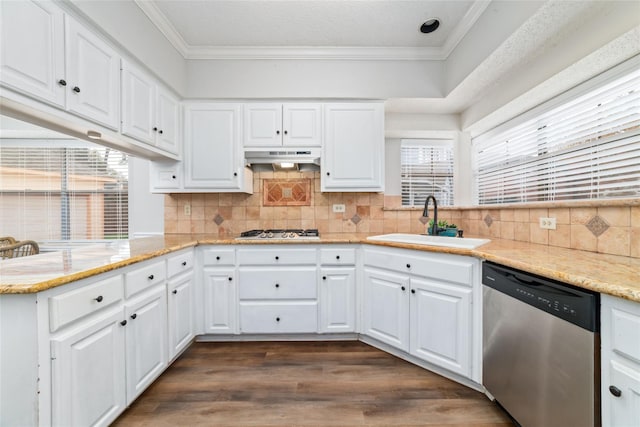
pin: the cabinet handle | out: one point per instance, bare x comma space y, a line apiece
277, 285
413, 291
277, 257
408, 265
124, 322
175, 291
615, 391
230, 279
277, 132
150, 277
99, 298
324, 277
62, 82
277, 319
155, 129
134, 315
76, 89
184, 263
217, 258
403, 288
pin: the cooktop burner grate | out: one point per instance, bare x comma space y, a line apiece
280, 234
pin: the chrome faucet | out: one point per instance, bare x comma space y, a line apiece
434, 228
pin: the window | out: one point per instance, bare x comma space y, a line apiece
586, 148
426, 168
62, 190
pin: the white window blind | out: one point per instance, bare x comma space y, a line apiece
62, 190
426, 168
587, 148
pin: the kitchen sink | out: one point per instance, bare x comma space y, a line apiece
423, 239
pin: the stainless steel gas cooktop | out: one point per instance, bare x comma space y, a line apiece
287, 234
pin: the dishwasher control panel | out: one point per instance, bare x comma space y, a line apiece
575, 305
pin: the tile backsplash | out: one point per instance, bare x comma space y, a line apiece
600, 228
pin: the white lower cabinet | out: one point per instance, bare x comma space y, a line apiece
219, 289
181, 305
146, 340
431, 318
337, 299
620, 358
88, 372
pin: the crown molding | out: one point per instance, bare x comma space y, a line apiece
159, 19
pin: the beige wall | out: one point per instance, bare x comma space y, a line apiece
577, 223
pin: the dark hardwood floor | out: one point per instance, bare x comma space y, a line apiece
305, 384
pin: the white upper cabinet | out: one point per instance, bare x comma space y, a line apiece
150, 113
93, 76
274, 124
353, 152
32, 49
213, 160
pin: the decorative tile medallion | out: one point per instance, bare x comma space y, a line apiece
286, 192
488, 220
218, 219
597, 225
356, 219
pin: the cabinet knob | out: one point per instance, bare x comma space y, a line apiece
76, 89
408, 265
134, 315
175, 291
277, 132
62, 82
277, 285
235, 174
230, 279
173, 177
277, 319
324, 277
403, 288
124, 322
285, 132
99, 298
218, 258
155, 129
615, 391
277, 257
184, 263
160, 132
413, 291
337, 256
150, 277
328, 173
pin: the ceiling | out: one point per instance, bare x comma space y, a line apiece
248, 28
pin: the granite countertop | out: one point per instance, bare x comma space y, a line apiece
609, 274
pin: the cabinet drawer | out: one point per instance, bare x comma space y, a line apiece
144, 277
336, 256
73, 305
279, 256
297, 283
278, 318
218, 256
179, 263
436, 266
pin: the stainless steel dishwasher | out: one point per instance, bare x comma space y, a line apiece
541, 348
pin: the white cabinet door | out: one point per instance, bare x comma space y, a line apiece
181, 308
93, 76
440, 324
212, 147
88, 373
138, 104
262, 125
220, 303
624, 409
32, 49
302, 125
337, 300
353, 132
146, 340
165, 176
168, 121
386, 307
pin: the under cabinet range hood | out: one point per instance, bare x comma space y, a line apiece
283, 157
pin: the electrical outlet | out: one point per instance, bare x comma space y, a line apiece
548, 223
187, 210
339, 208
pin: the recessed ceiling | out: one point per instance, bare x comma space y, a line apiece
380, 29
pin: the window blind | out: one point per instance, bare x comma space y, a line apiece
426, 168
62, 190
587, 148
